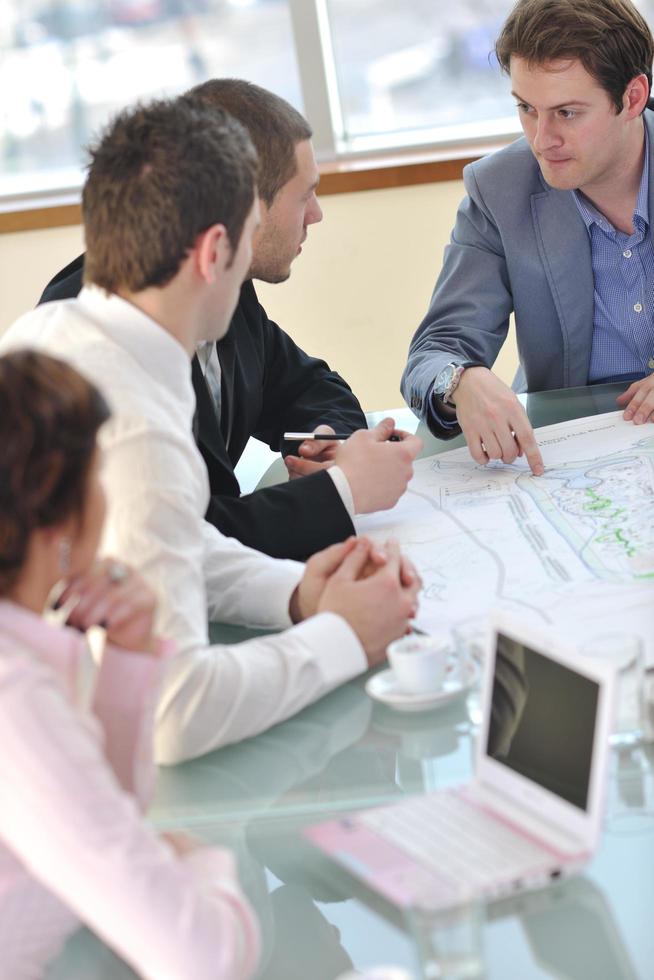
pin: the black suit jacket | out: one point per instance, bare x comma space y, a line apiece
269, 385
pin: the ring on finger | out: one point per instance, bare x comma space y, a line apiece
117, 572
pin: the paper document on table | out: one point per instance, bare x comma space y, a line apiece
573, 548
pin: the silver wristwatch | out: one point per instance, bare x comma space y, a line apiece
448, 378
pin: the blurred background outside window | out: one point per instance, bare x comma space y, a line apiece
372, 75
67, 65
420, 71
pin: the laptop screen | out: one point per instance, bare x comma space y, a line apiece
542, 720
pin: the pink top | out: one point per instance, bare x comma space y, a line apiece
73, 844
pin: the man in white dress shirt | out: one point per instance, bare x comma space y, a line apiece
169, 211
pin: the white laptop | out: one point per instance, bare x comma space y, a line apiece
534, 808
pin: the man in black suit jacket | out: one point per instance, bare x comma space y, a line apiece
267, 384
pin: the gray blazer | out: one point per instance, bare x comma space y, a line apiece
518, 245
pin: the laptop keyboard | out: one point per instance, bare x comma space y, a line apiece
450, 836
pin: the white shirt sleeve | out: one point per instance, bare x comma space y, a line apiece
158, 492
343, 488
66, 819
213, 695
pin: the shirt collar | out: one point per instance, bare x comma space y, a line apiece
146, 341
590, 215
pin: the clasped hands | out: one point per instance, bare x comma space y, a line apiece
375, 589
123, 605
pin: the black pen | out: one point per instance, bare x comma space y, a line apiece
325, 436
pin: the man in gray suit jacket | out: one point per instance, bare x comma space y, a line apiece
556, 229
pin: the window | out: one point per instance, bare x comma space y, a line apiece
67, 65
417, 71
370, 75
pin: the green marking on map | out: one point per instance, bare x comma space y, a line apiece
596, 502
603, 531
620, 538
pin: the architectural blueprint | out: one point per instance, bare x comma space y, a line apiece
573, 549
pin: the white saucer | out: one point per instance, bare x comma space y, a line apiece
382, 687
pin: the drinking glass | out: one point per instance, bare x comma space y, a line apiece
449, 942
624, 651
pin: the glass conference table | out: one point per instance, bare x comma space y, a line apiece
346, 752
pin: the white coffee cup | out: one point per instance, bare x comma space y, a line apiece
419, 662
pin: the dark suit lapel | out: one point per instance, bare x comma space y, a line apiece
564, 249
205, 428
226, 349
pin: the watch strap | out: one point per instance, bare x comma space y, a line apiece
456, 377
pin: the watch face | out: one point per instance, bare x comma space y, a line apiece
444, 378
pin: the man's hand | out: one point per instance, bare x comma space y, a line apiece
377, 470
321, 566
124, 607
493, 421
639, 401
305, 598
312, 456
379, 605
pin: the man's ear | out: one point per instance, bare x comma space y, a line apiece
213, 252
636, 95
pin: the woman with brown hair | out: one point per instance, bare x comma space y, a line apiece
75, 765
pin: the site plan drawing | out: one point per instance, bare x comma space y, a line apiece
572, 549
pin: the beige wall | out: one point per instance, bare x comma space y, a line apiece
356, 294
27, 261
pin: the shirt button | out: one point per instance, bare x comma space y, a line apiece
627, 253
638, 307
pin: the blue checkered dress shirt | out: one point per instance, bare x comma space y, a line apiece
623, 271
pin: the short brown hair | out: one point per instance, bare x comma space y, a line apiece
610, 38
49, 419
161, 175
275, 127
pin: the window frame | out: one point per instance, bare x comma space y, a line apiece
341, 176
